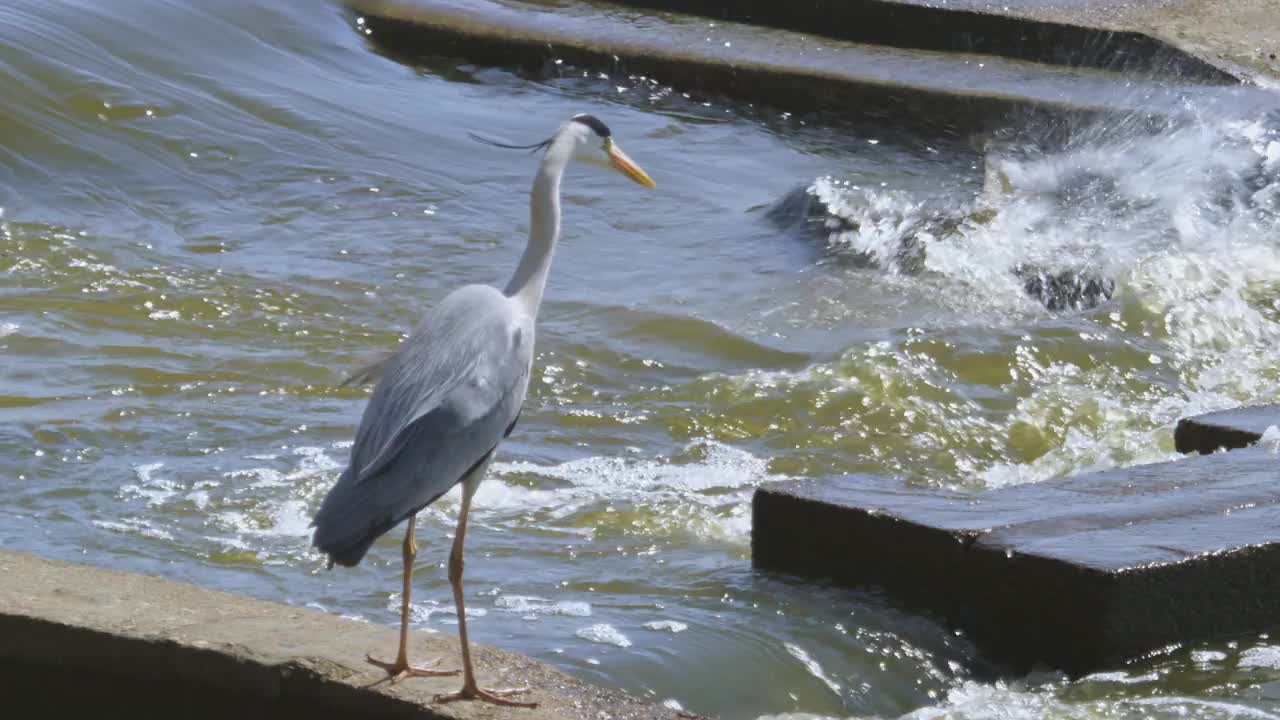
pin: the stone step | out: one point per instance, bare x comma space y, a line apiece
1066, 32
79, 641
1225, 429
775, 68
1077, 574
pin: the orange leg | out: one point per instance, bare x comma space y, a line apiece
470, 690
401, 667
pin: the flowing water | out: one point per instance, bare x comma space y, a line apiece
213, 211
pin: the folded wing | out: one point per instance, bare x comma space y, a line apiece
445, 399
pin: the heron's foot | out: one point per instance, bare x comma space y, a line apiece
497, 697
402, 669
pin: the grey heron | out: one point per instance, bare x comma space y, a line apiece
447, 397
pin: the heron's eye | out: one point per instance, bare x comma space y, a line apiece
608, 144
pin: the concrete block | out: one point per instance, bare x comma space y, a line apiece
1077, 574
1225, 429
78, 641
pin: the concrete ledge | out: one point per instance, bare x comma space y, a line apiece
1225, 430
1077, 574
774, 68
78, 641
1068, 33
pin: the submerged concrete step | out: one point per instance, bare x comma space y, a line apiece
1225, 429
1077, 574
782, 69
79, 641
1066, 32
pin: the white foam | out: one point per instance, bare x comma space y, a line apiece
229, 543
723, 467
1266, 656
134, 526
871, 222
200, 498
604, 634
101, 268
529, 605
1207, 657
1196, 707
694, 492
290, 518
667, 625
312, 461
261, 477
1271, 439
155, 490
146, 474
1121, 677
1184, 221
422, 611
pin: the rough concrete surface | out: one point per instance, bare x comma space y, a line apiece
1077, 574
79, 641
1242, 36
1226, 429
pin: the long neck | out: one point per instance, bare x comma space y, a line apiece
530, 277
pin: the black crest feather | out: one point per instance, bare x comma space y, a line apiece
594, 123
532, 148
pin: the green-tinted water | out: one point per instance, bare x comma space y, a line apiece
212, 211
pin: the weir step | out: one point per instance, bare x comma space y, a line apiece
1077, 574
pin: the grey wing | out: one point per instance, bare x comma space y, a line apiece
446, 399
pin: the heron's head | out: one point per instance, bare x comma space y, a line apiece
594, 145
586, 140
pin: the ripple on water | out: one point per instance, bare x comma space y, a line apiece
812, 666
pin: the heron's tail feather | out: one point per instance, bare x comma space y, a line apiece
350, 520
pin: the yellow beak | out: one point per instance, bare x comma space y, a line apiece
619, 161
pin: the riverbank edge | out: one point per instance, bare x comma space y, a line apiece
81, 640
